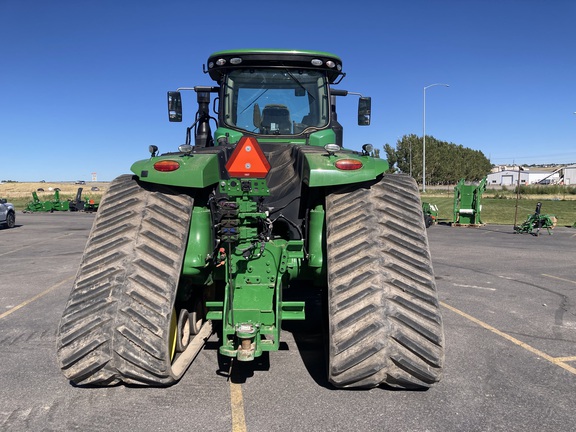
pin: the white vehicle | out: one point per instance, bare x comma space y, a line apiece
7, 214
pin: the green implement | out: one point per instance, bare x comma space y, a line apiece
468, 204
55, 204
430, 214
59, 205
38, 206
535, 222
86, 205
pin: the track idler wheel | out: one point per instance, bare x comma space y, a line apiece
183, 331
196, 317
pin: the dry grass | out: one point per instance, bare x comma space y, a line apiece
21, 193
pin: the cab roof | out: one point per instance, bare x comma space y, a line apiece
219, 63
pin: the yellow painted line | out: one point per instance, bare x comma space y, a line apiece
566, 359
556, 361
36, 297
559, 278
237, 404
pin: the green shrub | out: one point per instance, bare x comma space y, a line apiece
546, 190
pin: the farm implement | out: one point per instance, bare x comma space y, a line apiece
536, 221
56, 204
468, 203
430, 212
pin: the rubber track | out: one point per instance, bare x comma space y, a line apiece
385, 325
115, 325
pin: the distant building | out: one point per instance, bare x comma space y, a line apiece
569, 174
509, 177
499, 168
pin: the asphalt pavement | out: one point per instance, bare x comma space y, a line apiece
509, 309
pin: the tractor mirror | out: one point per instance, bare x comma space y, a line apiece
364, 111
174, 106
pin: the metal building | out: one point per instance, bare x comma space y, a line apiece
510, 177
569, 175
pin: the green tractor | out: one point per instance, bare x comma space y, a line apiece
216, 238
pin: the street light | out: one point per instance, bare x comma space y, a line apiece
410, 158
424, 136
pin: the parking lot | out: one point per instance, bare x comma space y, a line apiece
509, 308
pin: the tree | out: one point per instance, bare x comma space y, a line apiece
446, 163
390, 157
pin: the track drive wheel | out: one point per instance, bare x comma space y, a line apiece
384, 318
120, 320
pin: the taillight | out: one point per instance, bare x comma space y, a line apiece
248, 160
166, 165
348, 164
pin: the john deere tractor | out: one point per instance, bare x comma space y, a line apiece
263, 198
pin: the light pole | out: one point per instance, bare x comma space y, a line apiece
409, 156
424, 135
520, 169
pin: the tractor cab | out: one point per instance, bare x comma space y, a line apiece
276, 96
275, 101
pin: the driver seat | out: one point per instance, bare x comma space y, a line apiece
275, 120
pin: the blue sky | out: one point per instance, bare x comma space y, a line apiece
83, 83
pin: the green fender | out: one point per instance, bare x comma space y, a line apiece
320, 169
195, 171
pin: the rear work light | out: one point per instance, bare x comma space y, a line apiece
348, 164
248, 160
166, 166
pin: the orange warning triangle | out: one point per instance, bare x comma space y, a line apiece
248, 160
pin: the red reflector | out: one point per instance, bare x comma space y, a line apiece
166, 166
348, 164
248, 160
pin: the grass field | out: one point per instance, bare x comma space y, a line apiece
502, 208
498, 206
